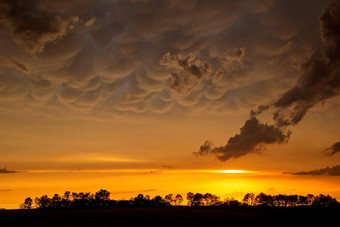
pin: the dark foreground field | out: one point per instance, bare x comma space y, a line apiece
175, 216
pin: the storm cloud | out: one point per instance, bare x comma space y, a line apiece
320, 74
252, 135
31, 28
144, 57
318, 81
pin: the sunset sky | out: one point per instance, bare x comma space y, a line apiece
160, 96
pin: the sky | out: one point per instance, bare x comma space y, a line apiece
159, 96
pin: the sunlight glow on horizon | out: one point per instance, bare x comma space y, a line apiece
233, 171
154, 171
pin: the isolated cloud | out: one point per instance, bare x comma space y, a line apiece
252, 135
335, 148
330, 171
5, 170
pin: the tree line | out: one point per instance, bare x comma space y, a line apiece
101, 199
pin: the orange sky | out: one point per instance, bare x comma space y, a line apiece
120, 95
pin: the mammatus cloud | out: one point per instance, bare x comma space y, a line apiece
233, 60
90, 57
5, 170
335, 148
188, 75
330, 171
31, 28
13, 64
319, 80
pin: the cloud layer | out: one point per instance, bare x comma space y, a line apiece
133, 57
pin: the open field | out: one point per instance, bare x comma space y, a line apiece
174, 216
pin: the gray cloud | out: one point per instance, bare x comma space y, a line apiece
320, 74
5, 170
88, 55
335, 148
233, 60
5, 190
31, 28
330, 171
250, 140
318, 81
189, 75
13, 64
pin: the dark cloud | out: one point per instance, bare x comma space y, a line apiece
318, 81
5, 190
259, 110
335, 148
102, 57
13, 64
30, 27
233, 60
5, 170
189, 74
320, 74
329, 171
250, 139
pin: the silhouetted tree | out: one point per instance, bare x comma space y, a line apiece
302, 200
43, 202
249, 199
280, 200
260, 199
56, 201
27, 204
141, 201
310, 199
190, 198
178, 199
198, 200
82, 199
170, 199
102, 197
292, 200
325, 201
66, 200
158, 201
231, 203
211, 200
